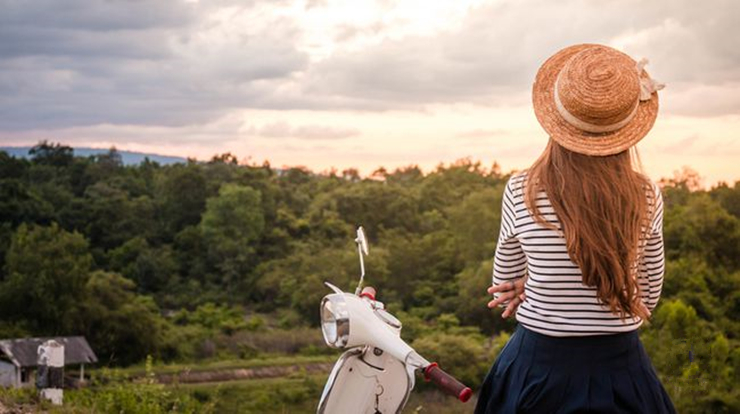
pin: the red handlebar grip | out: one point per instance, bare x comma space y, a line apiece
447, 382
368, 292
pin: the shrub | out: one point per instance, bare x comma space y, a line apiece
462, 356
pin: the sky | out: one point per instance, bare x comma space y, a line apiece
354, 83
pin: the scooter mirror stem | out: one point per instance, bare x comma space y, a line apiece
361, 242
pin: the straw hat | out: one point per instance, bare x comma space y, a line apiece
595, 100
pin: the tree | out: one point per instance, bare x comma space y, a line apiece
12, 167
410, 175
47, 269
463, 356
182, 196
447, 186
297, 280
702, 227
225, 158
19, 203
471, 299
475, 223
728, 197
122, 326
372, 204
151, 268
232, 225
114, 217
54, 154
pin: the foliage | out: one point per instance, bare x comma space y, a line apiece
462, 356
226, 260
218, 318
123, 325
295, 394
47, 269
140, 396
231, 225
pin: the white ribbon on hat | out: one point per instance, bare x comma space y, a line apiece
647, 87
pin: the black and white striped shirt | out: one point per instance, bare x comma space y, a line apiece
557, 302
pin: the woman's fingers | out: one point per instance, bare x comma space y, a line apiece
517, 286
513, 305
504, 287
501, 299
512, 291
510, 308
645, 308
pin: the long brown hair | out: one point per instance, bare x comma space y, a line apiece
602, 206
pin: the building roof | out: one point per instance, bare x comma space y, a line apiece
24, 352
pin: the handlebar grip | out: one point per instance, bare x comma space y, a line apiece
447, 382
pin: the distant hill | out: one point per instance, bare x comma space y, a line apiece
128, 157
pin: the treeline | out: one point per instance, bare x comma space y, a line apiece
152, 260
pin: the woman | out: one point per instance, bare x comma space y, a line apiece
580, 252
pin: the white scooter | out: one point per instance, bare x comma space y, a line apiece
376, 373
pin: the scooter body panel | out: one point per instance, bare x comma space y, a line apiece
366, 381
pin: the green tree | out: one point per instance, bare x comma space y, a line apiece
151, 268
122, 326
463, 356
181, 193
232, 226
728, 197
371, 204
52, 154
702, 227
47, 269
114, 217
475, 223
448, 185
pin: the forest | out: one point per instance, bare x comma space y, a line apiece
204, 262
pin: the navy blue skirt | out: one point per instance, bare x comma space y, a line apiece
536, 373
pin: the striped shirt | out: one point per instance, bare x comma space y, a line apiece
557, 302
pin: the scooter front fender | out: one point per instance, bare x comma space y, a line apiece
364, 381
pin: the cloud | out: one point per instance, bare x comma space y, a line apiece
698, 145
139, 63
94, 15
679, 146
174, 63
491, 58
701, 100
482, 133
282, 129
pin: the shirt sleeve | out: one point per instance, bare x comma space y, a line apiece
652, 265
510, 262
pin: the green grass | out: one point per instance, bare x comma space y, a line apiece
297, 393
434, 402
300, 394
201, 366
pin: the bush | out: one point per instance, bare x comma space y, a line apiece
286, 341
143, 396
462, 356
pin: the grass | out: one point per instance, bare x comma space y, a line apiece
296, 393
434, 402
300, 394
202, 366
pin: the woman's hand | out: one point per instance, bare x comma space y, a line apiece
642, 305
512, 291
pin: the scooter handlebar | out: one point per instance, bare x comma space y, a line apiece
447, 382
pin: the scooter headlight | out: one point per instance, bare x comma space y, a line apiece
335, 321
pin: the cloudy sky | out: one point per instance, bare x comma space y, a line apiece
354, 83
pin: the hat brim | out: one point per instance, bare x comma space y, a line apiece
577, 140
